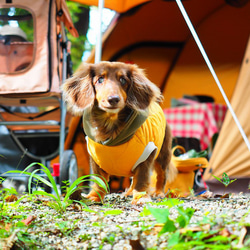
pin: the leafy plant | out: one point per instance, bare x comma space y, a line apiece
162, 215
24, 239
169, 225
14, 232
225, 180
66, 227
110, 239
57, 203
205, 235
166, 202
104, 213
4, 194
78, 13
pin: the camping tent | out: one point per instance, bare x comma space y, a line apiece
155, 36
231, 154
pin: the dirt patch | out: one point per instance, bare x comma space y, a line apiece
191, 223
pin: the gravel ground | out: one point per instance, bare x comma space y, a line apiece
98, 227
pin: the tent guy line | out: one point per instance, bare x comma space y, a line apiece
202, 50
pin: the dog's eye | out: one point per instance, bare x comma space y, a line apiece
123, 80
100, 79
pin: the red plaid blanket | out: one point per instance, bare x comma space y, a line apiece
199, 121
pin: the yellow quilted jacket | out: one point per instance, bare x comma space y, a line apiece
121, 160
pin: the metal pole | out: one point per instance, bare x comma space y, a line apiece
98, 47
203, 52
62, 103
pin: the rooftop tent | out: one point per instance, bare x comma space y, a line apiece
155, 36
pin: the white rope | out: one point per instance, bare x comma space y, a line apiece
202, 50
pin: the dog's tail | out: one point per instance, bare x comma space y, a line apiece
172, 173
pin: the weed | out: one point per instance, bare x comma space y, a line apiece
66, 227
180, 236
225, 180
162, 215
84, 237
24, 239
113, 212
57, 203
14, 232
110, 239
4, 194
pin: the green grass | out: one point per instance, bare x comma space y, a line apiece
21, 229
58, 203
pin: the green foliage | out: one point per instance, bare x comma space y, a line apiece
170, 215
166, 202
57, 203
24, 18
104, 213
77, 49
84, 237
77, 43
74, 9
180, 236
66, 227
225, 180
169, 202
113, 212
4, 193
24, 239
110, 239
13, 228
162, 215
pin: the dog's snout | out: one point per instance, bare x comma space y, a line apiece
113, 100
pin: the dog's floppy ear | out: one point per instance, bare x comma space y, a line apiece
142, 91
78, 91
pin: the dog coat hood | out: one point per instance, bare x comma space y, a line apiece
122, 159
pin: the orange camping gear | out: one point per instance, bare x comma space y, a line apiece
189, 164
155, 36
119, 6
183, 184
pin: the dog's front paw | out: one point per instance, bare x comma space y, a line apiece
158, 194
140, 198
93, 196
128, 192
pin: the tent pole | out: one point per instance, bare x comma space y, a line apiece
98, 47
202, 50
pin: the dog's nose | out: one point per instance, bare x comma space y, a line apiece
113, 100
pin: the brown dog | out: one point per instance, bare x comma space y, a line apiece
126, 130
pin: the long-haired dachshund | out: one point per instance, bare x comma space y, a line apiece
126, 130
